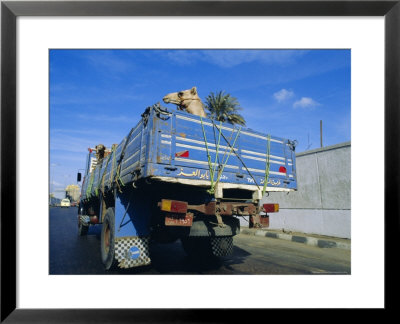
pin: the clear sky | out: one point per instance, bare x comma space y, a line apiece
97, 96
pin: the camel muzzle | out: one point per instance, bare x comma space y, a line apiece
167, 99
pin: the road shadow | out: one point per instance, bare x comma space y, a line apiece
71, 254
171, 259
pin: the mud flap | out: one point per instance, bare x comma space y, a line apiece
132, 251
222, 246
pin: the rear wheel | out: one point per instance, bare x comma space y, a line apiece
207, 247
108, 240
82, 229
197, 247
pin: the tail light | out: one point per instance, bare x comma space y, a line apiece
282, 169
94, 220
271, 208
173, 206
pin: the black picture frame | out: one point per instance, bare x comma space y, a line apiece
10, 10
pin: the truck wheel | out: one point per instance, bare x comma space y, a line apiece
206, 247
108, 240
197, 247
222, 246
82, 229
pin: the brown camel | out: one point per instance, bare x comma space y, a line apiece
187, 100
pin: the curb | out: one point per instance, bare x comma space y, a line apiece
313, 241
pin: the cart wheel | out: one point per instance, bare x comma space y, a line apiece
108, 240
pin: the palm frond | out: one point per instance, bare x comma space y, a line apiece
223, 107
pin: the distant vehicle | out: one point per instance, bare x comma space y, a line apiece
73, 204
65, 203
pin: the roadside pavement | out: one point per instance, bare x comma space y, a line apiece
310, 239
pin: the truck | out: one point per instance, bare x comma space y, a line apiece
178, 176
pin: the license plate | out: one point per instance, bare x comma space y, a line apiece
179, 219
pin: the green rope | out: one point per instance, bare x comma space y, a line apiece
102, 177
112, 166
230, 152
217, 146
96, 190
267, 165
221, 168
118, 176
228, 141
89, 188
213, 184
211, 169
215, 140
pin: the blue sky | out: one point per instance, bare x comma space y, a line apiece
97, 96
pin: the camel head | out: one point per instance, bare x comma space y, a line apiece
100, 150
187, 100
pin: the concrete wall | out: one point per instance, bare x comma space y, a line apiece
322, 204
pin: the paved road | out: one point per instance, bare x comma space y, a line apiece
72, 254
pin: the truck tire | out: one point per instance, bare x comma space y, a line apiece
197, 247
108, 240
82, 229
208, 247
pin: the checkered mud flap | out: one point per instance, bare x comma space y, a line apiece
132, 251
85, 220
222, 246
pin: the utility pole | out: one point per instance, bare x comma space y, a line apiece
308, 142
320, 130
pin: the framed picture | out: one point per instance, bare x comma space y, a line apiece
151, 17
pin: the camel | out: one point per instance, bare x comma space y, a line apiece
187, 100
100, 151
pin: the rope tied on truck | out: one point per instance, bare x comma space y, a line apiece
232, 149
212, 168
90, 185
238, 156
267, 164
104, 173
117, 178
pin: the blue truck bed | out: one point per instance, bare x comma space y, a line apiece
174, 146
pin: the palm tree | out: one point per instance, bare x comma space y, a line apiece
223, 107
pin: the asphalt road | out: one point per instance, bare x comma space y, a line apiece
73, 254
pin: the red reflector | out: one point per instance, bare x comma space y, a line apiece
94, 220
271, 208
178, 207
182, 154
173, 206
282, 169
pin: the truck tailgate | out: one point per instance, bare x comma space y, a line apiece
185, 146
174, 146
